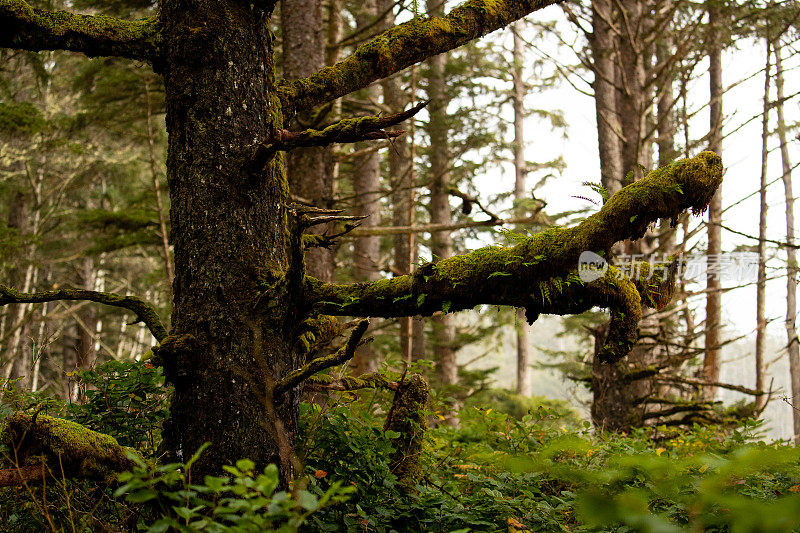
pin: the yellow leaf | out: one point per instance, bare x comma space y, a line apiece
703, 468
794, 488
659, 451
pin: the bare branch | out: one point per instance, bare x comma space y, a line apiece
403, 46
349, 130
144, 312
27, 28
321, 363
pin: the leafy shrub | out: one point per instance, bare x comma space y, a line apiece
243, 502
124, 399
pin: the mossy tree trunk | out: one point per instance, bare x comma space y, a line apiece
233, 315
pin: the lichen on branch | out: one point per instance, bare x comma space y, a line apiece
403, 46
539, 273
25, 27
145, 312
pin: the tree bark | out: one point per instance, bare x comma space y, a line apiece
792, 342
761, 283
441, 241
308, 169
711, 360
230, 238
520, 193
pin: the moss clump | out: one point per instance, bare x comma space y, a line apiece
81, 452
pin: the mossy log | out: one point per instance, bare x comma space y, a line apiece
540, 272
63, 447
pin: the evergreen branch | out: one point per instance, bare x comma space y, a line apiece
28, 28
539, 272
144, 312
349, 130
405, 45
344, 354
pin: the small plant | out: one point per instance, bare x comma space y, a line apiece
242, 502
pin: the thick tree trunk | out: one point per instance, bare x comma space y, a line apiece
792, 342
711, 361
520, 192
308, 169
234, 304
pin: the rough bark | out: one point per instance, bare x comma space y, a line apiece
234, 308
711, 361
792, 341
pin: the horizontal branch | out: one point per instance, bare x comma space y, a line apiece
28, 28
703, 383
405, 45
429, 228
349, 130
539, 273
145, 312
344, 354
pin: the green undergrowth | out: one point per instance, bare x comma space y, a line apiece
513, 464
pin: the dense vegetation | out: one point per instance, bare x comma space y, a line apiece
542, 470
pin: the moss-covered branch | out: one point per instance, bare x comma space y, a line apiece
319, 364
27, 28
539, 273
350, 383
63, 446
403, 46
145, 312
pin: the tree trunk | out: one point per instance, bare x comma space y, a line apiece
401, 179
792, 342
308, 169
609, 130
761, 284
520, 192
234, 305
711, 361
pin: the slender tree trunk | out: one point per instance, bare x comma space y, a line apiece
237, 281
792, 342
761, 285
308, 168
441, 241
367, 190
711, 362
401, 180
162, 213
609, 130
520, 193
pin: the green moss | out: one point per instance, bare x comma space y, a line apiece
407, 417
80, 451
